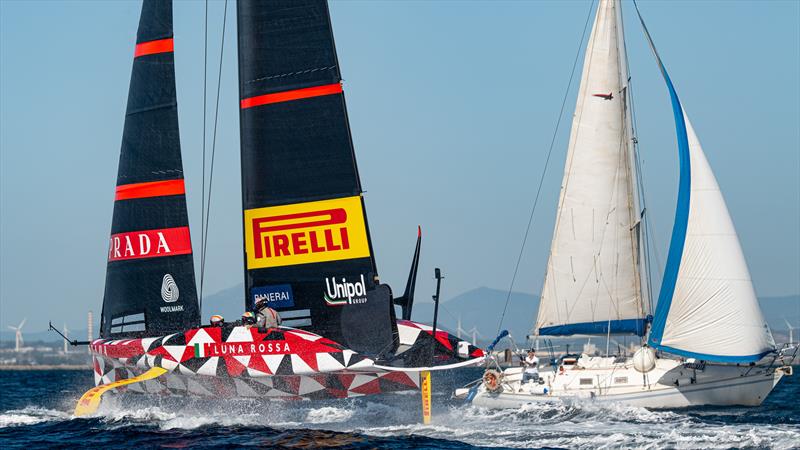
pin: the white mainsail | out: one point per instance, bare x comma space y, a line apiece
592, 281
707, 307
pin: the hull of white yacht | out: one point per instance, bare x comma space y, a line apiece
671, 384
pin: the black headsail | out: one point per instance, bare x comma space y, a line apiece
307, 244
150, 285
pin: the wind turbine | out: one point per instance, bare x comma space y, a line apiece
791, 332
18, 335
475, 334
460, 330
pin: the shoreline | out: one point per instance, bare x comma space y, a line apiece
18, 367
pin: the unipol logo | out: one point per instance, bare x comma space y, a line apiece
345, 293
149, 244
302, 233
169, 289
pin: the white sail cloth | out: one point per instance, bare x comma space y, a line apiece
592, 275
714, 311
707, 307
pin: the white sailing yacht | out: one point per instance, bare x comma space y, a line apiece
708, 342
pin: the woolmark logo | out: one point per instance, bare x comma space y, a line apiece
302, 233
169, 289
345, 293
170, 294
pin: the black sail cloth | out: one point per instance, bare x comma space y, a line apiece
150, 286
307, 246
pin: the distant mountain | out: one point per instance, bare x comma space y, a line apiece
227, 302
779, 310
480, 308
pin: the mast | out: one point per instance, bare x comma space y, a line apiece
592, 284
150, 286
307, 244
635, 194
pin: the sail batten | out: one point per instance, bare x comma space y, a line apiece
707, 305
592, 281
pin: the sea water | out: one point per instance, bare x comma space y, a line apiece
36, 411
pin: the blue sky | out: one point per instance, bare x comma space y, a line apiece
452, 107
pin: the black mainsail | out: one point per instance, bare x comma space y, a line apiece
307, 243
150, 285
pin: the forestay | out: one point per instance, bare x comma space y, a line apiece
707, 306
592, 285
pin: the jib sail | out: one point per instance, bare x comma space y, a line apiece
150, 286
307, 244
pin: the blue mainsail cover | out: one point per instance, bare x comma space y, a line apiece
628, 326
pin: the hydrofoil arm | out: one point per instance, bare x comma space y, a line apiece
90, 401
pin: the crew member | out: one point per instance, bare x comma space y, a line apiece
217, 320
248, 319
266, 317
531, 367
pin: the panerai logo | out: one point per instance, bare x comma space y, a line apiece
275, 296
344, 292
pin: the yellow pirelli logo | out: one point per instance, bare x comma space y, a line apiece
302, 233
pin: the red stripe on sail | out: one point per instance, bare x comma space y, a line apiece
153, 47
150, 189
150, 244
295, 94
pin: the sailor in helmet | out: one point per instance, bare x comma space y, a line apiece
266, 317
217, 320
248, 319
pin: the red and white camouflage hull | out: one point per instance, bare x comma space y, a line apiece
275, 363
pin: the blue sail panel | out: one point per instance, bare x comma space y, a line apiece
678, 238
637, 327
712, 307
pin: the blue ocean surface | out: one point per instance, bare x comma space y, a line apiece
36, 411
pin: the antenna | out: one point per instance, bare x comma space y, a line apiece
66, 339
437, 273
